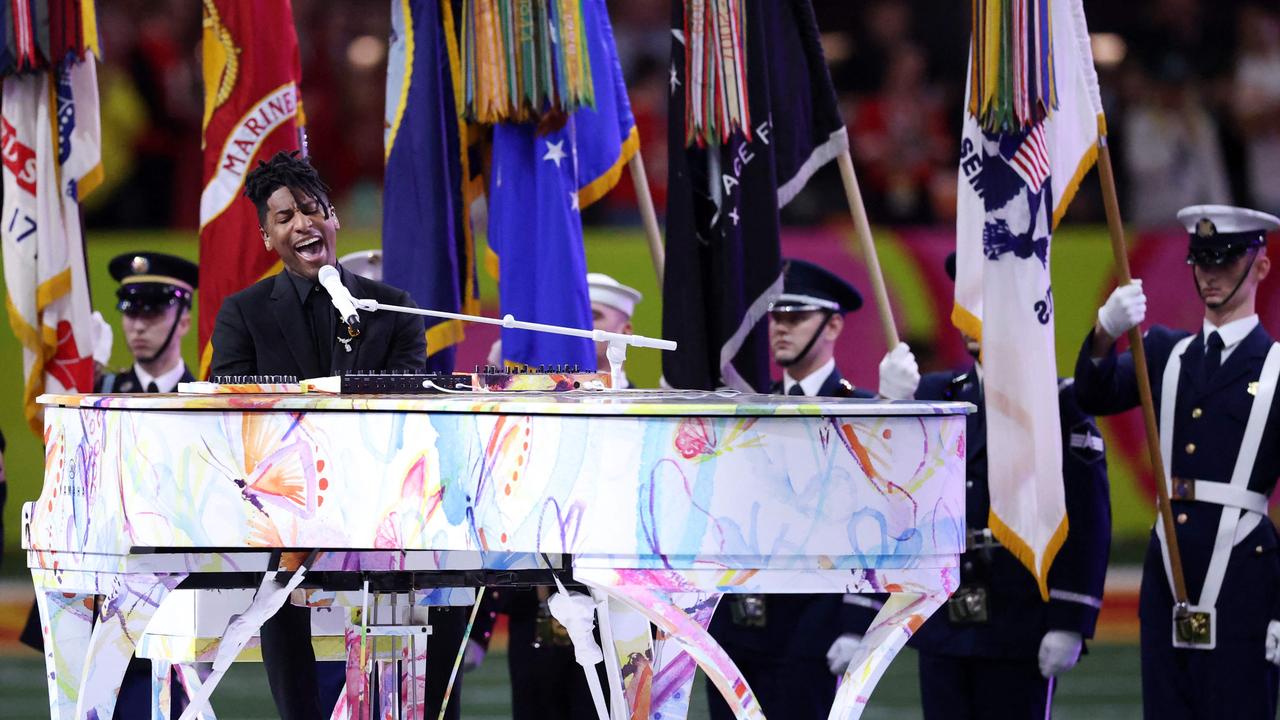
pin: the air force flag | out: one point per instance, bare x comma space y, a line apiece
1014, 186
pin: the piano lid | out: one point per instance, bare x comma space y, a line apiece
610, 402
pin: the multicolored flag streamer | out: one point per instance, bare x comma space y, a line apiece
38, 35
1011, 83
715, 72
525, 58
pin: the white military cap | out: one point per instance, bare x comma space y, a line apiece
607, 291
365, 263
1220, 233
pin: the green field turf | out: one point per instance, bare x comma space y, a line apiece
1103, 687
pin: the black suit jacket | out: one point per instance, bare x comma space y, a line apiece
264, 330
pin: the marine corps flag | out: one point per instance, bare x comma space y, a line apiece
52, 158
252, 110
1030, 135
751, 97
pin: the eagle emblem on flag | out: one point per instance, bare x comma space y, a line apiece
1016, 187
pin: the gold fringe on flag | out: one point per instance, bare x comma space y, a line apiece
523, 59
1012, 64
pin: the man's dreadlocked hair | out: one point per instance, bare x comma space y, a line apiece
286, 169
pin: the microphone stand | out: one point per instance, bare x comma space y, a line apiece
616, 352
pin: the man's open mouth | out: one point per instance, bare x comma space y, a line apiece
311, 249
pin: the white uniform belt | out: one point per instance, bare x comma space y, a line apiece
1219, 493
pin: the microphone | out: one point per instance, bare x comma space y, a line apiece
341, 298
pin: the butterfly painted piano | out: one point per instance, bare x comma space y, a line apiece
660, 501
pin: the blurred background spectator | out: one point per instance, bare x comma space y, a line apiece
1192, 90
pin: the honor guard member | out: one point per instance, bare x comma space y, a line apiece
154, 300
612, 305
993, 650
1214, 392
781, 642
365, 263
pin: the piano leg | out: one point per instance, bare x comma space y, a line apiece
629, 665
663, 611
66, 623
674, 669
192, 677
903, 613
127, 608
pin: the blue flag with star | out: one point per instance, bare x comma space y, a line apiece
541, 177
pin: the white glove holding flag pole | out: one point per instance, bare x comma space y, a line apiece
1124, 310
841, 653
1273, 642
577, 613
899, 374
1059, 651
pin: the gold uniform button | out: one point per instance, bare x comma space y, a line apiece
1182, 518
1191, 448
1258, 550
1195, 414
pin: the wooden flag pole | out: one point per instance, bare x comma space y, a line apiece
1110, 200
862, 228
644, 198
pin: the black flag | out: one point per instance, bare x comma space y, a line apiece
723, 262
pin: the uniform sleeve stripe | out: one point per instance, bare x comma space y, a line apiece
1075, 597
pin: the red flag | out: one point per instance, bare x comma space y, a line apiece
252, 110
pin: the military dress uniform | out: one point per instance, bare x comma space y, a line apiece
1223, 457
978, 653
149, 282
780, 641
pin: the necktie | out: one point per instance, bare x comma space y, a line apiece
321, 317
152, 387
796, 390
1213, 355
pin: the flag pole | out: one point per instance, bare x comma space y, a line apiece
1106, 177
862, 228
644, 198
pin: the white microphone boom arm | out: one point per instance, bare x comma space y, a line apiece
618, 342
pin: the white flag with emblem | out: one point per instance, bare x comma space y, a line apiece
1013, 189
52, 149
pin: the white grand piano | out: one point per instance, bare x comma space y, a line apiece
660, 502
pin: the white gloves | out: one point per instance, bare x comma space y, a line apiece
841, 652
473, 656
1273, 642
1125, 309
102, 339
1059, 651
899, 374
